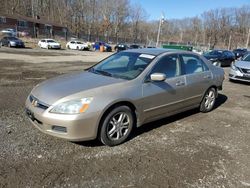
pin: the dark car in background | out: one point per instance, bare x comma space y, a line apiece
220, 57
12, 42
121, 47
239, 52
134, 46
106, 46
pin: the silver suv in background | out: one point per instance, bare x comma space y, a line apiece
124, 91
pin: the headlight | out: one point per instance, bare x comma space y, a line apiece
233, 66
72, 107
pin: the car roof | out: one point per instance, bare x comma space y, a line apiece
153, 51
47, 39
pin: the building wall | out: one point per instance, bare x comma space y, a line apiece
42, 29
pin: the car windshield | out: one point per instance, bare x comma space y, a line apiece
123, 65
246, 58
215, 52
50, 41
13, 38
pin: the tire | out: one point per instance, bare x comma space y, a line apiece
117, 126
77, 47
9, 45
68, 47
208, 101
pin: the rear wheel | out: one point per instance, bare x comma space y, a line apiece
117, 126
208, 101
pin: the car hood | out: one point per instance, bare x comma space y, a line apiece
243, 64
59, 87
16, 41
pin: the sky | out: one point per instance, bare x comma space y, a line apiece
177, 9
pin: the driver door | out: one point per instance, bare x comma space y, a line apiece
161, 98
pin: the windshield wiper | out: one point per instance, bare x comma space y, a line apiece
101, 72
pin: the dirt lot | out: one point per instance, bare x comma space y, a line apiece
191, 149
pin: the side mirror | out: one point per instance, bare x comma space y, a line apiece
158, 77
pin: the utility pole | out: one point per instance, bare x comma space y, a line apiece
229, 42
159, 30
248, 38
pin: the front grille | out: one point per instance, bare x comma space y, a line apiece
37, 103
242, 78
247, 71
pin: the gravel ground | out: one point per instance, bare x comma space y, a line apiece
190, 149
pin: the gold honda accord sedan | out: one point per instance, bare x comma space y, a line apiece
124, 91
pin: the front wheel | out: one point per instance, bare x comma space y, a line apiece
208, 101
117, 126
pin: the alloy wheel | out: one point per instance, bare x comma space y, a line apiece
118, 126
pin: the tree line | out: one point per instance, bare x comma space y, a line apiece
124, 21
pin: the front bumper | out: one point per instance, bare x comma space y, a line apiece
20, 45
78, 127
238, 75
54, 47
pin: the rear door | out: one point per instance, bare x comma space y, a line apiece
198, 78
163, 97
73, 45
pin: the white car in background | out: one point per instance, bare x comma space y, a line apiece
77, 45
49, 44
9, 32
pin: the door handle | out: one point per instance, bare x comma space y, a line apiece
180, 83
207, 76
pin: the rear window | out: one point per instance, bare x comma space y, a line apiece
193, 64
215, 52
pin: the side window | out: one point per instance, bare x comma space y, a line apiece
168, 65
22, 23
193, 64
2, 19
72, 42
42, 40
